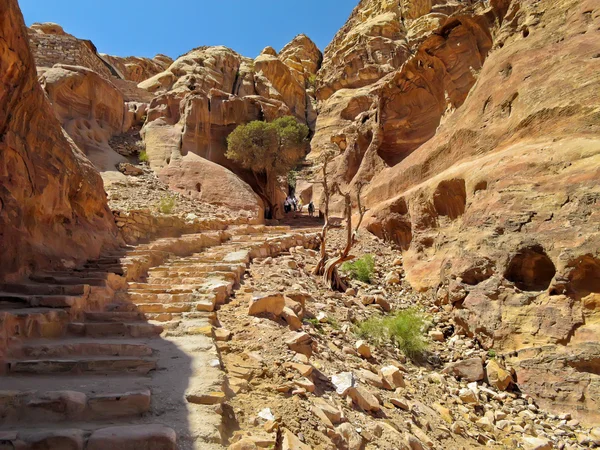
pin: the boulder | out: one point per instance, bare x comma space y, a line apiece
468, 369
497, 375
266, 304
208, 182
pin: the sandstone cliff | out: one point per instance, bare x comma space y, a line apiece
52, 202
207, 92
476, 126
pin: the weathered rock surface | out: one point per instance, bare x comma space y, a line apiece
481, 158
52, 202
90, 108
208, 182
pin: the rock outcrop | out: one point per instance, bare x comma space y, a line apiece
209, 182
207, 92
52, 203
482, 160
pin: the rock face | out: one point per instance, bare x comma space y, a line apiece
52, 202
90, 108
208, 182
482, 160
52, 45
207, 92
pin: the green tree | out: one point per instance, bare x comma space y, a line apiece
270, 149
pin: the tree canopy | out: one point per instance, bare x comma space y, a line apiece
272, 148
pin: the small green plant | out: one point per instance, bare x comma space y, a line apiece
167, 204
143, 157
404, 329
311, 81
361, 269
491, 353
315, 323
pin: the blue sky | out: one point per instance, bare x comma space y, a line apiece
148, 27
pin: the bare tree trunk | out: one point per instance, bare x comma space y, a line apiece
320, 267
331, 275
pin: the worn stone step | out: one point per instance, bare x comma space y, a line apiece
72, 347
160, 288
139, 297
106, 268
105, 329
79, 365
44, 301
114, 316
18, 407
68, 280
162, 307
44, 289
192, 280
132, 437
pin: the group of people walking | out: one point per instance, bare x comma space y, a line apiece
293, 204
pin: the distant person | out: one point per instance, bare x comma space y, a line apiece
311, 209
295, 203
286, 205
300, 205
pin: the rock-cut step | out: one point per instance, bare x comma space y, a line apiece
108, 329
81, 364
45, 289
69, 348
46, 407
11, 301
133, 437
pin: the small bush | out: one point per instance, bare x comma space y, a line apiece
143, 157
311, 81
491, 353
167, 204
361, 269
404, 329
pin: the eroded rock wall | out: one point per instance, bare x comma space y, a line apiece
482, 156
52, 203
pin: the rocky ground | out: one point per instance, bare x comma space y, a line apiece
299, 376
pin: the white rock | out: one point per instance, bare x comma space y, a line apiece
343, 381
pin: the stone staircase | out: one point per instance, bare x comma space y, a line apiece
120, 353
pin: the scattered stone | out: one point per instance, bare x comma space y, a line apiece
393, 377
364, 399
392, 278
291, 441
536, 443
400, 402
222, 334
436, 335
343, 382
363, 349
266, 414
353, 440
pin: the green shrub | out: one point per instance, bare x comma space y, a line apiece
491, 353
311, 81
143, 157
166, 205
404, 329
361, 269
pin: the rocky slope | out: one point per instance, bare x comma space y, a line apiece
53, 207
476, 126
